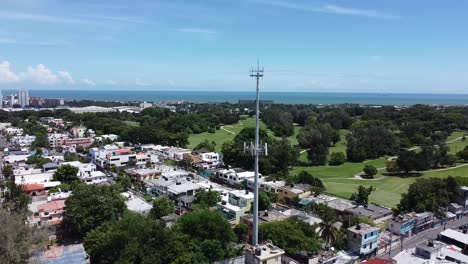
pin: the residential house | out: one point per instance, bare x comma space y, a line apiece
462, 198
288, 194
210, 160
14, 131
235, 204
377, 213
143, 174
456, 238
87, 172
265, 253
136, 204
23, 141
363, 239
423, 222
78, 132
431, 252
402, 225
51, 213
34, 189
235, 177
110, 137
56, 140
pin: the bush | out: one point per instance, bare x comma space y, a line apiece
337, 158
370, 171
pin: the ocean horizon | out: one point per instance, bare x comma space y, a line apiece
318, 98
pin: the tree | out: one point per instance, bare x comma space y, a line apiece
67, 174
132, 239
337, 158
328, 231
206, 145
241, 231
64, 187
463, 154
7, 172
316, 139
292, 235
370, 171
16, 200
264, 202
429, 194
162, 206
38, 160
307, 178
207, 229
407, 161
90, 206
448, 160
18, 239
124, 180
362, 194
207, 198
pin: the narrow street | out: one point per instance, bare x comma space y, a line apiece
423, 236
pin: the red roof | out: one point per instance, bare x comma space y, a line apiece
379, 261
123, 151
33, 187
52, 206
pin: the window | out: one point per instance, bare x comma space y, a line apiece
365, 245
355, 236
365, 236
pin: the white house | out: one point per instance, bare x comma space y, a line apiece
210, 160
23, 140
14, 131
232, 177
235, 204
87, 172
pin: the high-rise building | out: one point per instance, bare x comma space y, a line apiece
23, 97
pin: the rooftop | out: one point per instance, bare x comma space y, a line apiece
371, 211
362, 228
52, 206
455, 235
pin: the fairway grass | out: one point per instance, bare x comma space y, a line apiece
221, 136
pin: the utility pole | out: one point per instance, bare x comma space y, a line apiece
256, 149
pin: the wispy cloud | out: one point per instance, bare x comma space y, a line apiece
77, 19
9, 15
202, 31
88, 82
334, 9
327, 8
15, 41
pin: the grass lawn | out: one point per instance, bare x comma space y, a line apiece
389, 189
221, 136
347, 170
132, 123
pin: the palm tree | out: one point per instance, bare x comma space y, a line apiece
329, 232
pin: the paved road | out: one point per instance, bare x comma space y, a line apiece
424, 235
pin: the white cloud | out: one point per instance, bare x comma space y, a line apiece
6, 74
327, 8
18, 16
66, 77
40, 74
139, 82
356, 12
202, 31
110, 82
88, 82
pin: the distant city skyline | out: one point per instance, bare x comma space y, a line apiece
305, 46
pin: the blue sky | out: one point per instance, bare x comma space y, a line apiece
336, 45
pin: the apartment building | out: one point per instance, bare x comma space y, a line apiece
235, 204
363, 239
